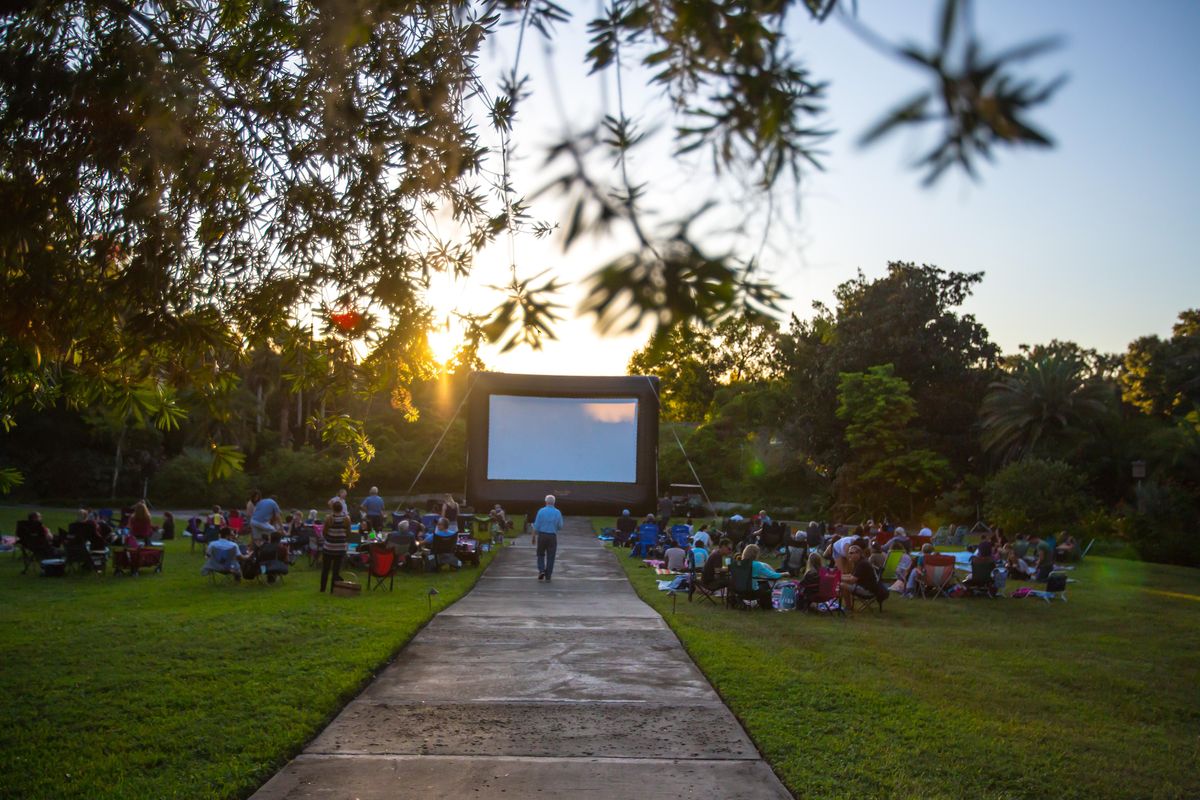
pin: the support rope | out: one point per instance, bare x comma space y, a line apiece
699, 483
432, 452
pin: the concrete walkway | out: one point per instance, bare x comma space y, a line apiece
573, 689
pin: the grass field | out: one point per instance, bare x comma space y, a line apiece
1098, 697
171, 686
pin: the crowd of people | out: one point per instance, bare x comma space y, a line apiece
857, 553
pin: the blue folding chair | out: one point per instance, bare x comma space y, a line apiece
430, 521
681, 534
646, 541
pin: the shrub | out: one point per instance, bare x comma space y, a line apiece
301, 477
1162, 528
1036, 497
183, 482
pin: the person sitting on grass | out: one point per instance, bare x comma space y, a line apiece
1017, 568
761, 574
704, 537
712, 576
863, 580
1044, 564
916, 575
628, 526
223, 556
1067, 549
699, 554
675, 558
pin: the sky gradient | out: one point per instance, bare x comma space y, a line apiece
1093, 241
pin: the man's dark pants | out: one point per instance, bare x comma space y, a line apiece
547, 546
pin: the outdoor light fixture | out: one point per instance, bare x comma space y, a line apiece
671, 594
432, 592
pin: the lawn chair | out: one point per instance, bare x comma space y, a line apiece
890, 567
34, 547
741, 585
772, 535
646, 542
942, 536
621, 538
981, 580
795, 558
225, 562
381, 565
77, 549
681, 534
939, 575
1056, 587
147, 558
829, 587
694, 585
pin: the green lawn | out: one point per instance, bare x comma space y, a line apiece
170, 686
1098, 697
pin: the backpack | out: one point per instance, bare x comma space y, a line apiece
783, 596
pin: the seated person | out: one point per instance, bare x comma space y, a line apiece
627, 526
676, 558
703, 536
878, 558
983, 553
795, 555
712, 576
223, 556
1021, 546
916, 575
87, 522
699, 554
1067, 549
899, 540
442, 543
762, 574
312, 518
402, 541
498, 518
1016, 567
810, 582
266, 558
863, 580
1044, 551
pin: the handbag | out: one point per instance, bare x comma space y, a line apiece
346, 589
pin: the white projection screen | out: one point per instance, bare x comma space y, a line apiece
562, 439
590, 440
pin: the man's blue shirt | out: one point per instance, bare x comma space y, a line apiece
548, 520
373, 505
264, 510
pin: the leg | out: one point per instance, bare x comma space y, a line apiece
541, 554
326, 561
337, 566
551, 550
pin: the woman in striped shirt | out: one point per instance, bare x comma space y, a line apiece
335, 533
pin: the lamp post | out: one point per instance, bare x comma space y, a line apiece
432, 591
1138, 469
671, 594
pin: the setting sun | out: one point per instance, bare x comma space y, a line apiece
443, 340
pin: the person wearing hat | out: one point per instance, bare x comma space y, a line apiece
627, 526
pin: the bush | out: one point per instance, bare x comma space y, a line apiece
1036, 497
183, 482
1162, 528
301, 477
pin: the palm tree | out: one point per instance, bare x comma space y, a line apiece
1043, 407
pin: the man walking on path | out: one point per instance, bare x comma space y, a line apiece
546, 525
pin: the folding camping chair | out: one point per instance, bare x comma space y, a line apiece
891, 566
381, 565
1056, 587
829, 587
939, 575
681, 534
741, 585
647, 540
694, 580
34, 547
982, 580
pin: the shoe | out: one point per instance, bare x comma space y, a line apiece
547, 579
541, 576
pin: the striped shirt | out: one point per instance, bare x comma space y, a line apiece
337, 529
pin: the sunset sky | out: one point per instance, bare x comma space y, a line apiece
1093, 241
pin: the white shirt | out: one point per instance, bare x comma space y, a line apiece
703, 538
926, 532
842, 545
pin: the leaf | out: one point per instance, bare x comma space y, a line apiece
226, 460
10, 478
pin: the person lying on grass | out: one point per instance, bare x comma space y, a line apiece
863, 580
761, 589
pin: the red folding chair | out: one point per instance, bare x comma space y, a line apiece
939, 574
829, 588
381, 564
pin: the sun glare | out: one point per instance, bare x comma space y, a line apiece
443, 341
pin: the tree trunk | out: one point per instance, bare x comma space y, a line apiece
285, 414
258, 411
117, 462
